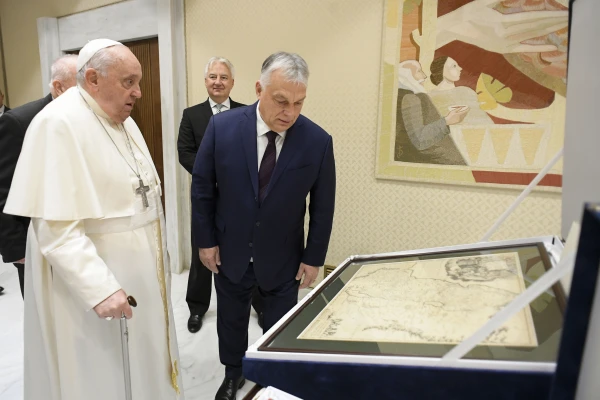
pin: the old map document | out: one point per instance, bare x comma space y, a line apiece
441, 301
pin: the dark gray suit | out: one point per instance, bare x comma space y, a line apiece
191, 131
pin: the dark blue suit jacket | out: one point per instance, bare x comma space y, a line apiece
225, 208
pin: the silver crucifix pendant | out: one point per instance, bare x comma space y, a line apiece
143, 190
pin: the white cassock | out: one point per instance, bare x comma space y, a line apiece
90, 236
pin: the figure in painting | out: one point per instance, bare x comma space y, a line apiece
501, 66
422, 134
445, 71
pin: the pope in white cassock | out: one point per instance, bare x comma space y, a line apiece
86, 179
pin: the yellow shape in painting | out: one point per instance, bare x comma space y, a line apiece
473, 140
501, 140
392, 13
491, 91
530, 141
410, 5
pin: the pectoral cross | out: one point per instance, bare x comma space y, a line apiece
143, 190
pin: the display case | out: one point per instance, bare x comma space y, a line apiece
382, 326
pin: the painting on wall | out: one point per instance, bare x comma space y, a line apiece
473, 91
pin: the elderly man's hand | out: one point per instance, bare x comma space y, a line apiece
211, 258
310, 275
114, 306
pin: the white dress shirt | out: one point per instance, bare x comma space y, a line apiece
1, 110
262, 141
213, 105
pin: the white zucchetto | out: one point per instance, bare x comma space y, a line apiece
91, 48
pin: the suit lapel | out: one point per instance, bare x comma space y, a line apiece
290, 145
234, 104
47, 99
207, 111
249, 144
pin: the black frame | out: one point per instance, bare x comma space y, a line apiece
557, 288
579, 308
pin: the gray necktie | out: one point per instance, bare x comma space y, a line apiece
219, 107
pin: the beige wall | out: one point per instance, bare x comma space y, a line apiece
20, 41
2, 88
341, 41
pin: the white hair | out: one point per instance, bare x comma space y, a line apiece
100, 62
406, 79
292, 67
221, 60
62, 69
405, 64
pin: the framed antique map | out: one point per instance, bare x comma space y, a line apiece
472, 92
423, 304
439, 301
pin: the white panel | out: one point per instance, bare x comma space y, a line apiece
581, 177
582, 164
171, 42
49, 48
125, 21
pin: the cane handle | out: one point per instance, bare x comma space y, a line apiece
131, 301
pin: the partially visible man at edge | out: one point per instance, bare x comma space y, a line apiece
13, 125
3, 107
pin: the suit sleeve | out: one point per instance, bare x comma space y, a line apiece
186, 143
13, 230
74, 258
321, 209
204, 191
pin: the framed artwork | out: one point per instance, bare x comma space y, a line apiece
423, 303
472, 92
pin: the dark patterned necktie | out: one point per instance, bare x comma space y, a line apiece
267, 165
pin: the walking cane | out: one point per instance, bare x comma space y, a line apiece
125, 348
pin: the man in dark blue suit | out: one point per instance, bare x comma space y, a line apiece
253, 172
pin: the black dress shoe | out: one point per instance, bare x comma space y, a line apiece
194, 323
229, 388
1, 289
261, 319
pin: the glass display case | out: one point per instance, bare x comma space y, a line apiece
384, 324
406, 311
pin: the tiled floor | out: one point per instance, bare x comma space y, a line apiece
202, 372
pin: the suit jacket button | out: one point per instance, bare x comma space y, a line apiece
258, 224
250, 244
